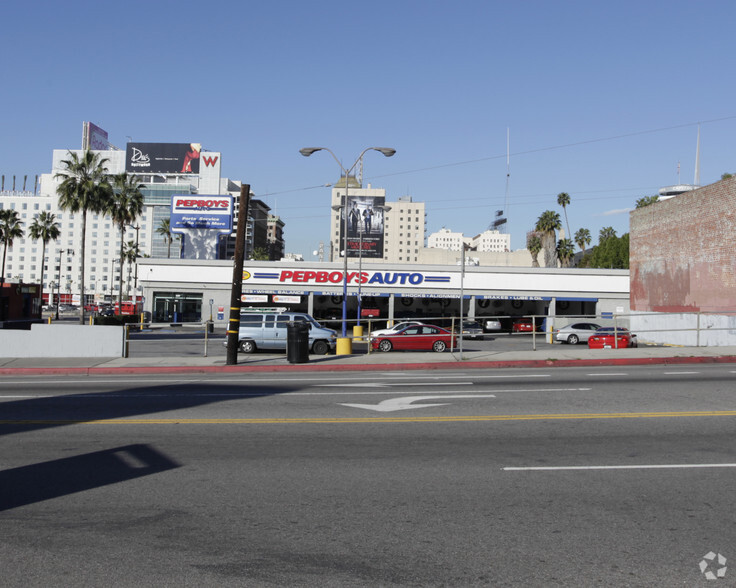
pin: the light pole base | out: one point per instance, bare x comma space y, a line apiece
344, 346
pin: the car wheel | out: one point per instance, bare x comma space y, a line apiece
385, 345
320, 348
573, 339
439, 346
247, 346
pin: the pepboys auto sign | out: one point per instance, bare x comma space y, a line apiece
198, 211
335, 277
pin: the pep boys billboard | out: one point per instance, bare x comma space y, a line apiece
199, 211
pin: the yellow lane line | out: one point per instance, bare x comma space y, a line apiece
408, 419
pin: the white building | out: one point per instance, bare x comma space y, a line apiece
490, 240
62, 263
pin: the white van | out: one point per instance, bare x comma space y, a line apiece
267, 330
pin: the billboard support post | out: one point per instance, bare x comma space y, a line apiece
236, 292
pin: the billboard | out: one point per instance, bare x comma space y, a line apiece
200, 211
365, 226
93, 137
162, 158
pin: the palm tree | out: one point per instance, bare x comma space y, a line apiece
565, 251
563, 199
605, 234
125, 206
45, 228
534, 245
582, 238
11, 227
84, 188
547, 223
164, 228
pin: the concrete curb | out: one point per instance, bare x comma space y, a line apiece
229, 369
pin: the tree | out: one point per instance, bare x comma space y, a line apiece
84, 188
646, 201
124, 207
259, 254
44, 228
565, 251
611, 253
164, 228
547, 224
11, 227
534, 245
605, 234
726, 176
563, 199
582, 238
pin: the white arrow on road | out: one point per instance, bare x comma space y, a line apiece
405, 403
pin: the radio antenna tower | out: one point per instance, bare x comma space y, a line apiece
501, 220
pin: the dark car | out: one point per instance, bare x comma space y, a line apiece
416, 338
471, 330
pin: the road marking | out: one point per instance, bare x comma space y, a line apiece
621, 374
620, 467
397, 385
679, 373
393, 404
352, 420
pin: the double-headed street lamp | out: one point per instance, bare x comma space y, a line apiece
306, 152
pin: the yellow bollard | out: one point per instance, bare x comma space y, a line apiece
358, 332
344, 346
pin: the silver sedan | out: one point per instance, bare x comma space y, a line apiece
576, 333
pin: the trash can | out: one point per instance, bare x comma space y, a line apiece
297, 342
210, 327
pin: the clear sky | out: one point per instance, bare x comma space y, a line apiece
602, 99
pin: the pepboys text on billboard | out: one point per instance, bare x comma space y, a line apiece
200, 211
163, 158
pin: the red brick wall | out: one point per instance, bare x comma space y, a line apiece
683, 252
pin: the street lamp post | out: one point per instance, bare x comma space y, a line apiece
306, 152
135, 284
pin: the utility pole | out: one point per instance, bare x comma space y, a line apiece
233, 327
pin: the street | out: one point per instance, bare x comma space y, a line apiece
560, 477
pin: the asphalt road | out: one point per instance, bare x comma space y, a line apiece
563, 477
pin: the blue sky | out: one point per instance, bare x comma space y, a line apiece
602, 100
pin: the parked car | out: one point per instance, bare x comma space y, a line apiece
470, 330
267, 330
523, 326
395, 329
576, 332
417, 338
491, 325
612, 338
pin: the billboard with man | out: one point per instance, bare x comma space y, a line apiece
365, 226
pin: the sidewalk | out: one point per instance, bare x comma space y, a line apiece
554, 356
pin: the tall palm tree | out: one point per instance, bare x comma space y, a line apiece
124, 207
565, 251
84, 188
582, 238
11, 227
534, 245
563, 199
605, 234
45, 228
164, 229
547, 224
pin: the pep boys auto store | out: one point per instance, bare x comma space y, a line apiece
186, 290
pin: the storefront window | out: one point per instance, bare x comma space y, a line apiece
177, 307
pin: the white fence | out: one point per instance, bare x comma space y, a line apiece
58, 340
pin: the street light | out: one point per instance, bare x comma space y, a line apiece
306, 152
137, 228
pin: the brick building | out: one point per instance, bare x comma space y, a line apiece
683, 261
